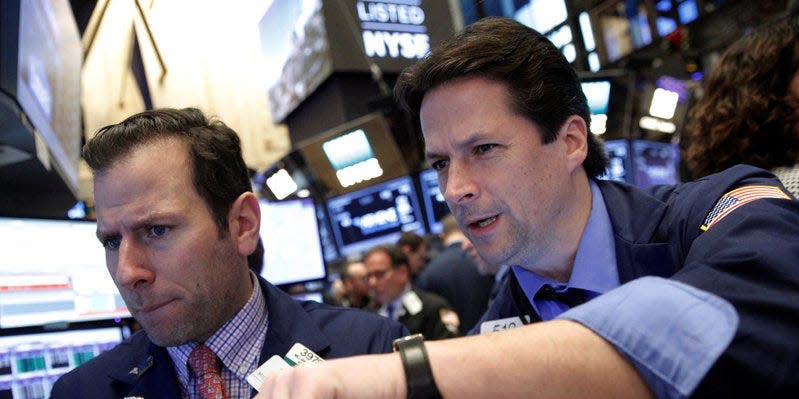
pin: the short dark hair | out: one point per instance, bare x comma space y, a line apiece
218, 169
397, 257
543, 86
411, 239
344, 272
747, 113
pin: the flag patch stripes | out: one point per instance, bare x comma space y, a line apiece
738, 197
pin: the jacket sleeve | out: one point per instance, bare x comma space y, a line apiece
750, 258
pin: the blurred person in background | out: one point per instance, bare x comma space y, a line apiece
355, 282
420, 311
498, 272
415, 249
749, 110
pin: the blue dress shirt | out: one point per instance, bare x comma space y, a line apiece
671, 332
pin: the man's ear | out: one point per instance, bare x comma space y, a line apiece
575, 133
244, 221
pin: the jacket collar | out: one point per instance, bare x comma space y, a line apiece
636, 217
289, 323
147, 369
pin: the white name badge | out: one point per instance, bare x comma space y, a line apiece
500, 324
258, 376
299, 354
412, 302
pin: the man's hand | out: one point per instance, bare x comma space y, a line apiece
360, 377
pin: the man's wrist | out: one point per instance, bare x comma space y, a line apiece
418, 374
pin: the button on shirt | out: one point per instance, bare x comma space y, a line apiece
237, 344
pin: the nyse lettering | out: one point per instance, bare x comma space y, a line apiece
395, 44
393, 29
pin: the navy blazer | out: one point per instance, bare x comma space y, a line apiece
751, 259
139, 368
453, 275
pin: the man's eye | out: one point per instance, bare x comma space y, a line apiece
440, 164
111, 243
483, 148
158, 230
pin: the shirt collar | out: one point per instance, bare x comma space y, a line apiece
399, 309
594, 266
234, 342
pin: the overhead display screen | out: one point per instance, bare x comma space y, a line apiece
375, 215
305, 41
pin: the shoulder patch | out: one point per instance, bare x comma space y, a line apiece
738, 197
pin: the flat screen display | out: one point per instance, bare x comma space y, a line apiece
434, 204
619, 161
598, 95
30, 363
655, 163
294, 43
54, 271
292, 248
375, 215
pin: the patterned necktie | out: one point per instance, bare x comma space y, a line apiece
205, 364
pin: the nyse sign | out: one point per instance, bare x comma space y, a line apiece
393, 28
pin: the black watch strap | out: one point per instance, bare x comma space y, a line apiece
418, 374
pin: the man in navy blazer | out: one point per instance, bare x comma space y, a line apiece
140, 368
687, 291
178, 220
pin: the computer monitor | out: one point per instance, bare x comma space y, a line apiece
292, 248
619, 161
434, 204
54, 271
375, 215
597, 93
655, 163
31, 362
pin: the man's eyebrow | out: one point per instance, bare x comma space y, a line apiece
468, 142
148, 220
430, 155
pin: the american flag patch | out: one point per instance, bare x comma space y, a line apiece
738, 197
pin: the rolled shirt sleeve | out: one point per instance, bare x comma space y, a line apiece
672, 332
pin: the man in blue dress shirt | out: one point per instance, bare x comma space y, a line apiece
686, 291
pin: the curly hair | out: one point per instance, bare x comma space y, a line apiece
747, 114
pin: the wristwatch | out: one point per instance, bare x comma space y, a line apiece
418, 374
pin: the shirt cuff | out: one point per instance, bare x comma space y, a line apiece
672, 332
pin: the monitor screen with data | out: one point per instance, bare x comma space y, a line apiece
434, 204
375, 215
31, 362
53, 271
